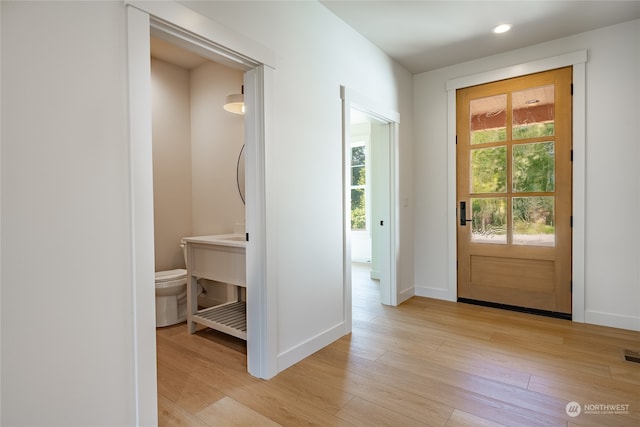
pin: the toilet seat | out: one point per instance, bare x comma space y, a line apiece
170, 278
169, 275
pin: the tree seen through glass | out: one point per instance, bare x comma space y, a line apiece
358, 183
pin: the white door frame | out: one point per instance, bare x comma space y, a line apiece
388, 291
196, 32
578, 61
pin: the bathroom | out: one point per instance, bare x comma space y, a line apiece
198, 169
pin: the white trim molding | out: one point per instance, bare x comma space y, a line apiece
579, 57
235, 44
141, 201
578, 60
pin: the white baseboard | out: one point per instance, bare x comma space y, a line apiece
405, 295
612, 320
436, 293
307, 348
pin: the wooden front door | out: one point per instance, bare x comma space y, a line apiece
514, 192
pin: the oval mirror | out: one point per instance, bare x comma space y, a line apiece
240, 174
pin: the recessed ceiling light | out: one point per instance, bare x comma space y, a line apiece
502, 28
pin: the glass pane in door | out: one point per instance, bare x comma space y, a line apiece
488, 170
533, 112
533, 221
489, 216
534, 167
488, 119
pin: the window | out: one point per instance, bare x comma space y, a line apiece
358, 187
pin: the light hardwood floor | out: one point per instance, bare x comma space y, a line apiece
424, 363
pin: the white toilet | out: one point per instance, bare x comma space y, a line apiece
171, 297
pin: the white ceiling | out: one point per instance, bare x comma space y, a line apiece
423, 35
165, 51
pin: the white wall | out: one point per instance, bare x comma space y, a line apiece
317, 53
216, 140
67, 325
67, 317
612, 276
171, 125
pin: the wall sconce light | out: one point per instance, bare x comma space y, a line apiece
235, 103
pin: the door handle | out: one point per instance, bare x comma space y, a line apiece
463, 214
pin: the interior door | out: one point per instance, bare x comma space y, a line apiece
513, 157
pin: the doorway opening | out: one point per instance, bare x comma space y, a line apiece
187, 29
175, 38
369, 181
577, 60
369, 195
197, 164
369, 141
